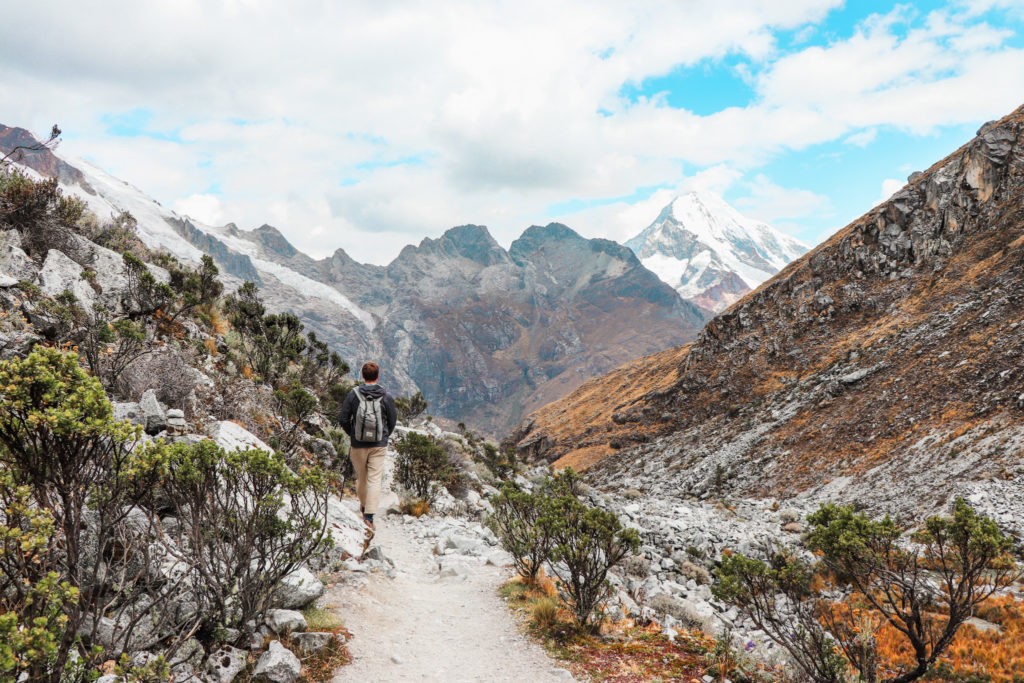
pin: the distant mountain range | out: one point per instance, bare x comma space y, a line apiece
709, 252
487, 334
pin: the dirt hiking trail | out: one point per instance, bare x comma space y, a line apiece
422, 626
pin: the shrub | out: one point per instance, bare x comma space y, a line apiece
520, 522
501, 463
588, 542
410, 407
924, 586
144, 295
245, 522
110, 346
65, 509
422, 464
39, 211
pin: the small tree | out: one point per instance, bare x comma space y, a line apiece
522, 525
924, 585
62, 460
245, 522
421, 465
588, 542
144, 295
410, 407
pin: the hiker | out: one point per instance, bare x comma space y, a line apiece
368, 416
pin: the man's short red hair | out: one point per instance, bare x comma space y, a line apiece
371, 371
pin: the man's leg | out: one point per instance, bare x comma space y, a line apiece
374, 476
358, 457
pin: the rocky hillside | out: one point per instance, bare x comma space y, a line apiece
883, 367
709, 252
486, 334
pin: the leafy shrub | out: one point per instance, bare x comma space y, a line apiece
111, 345
65, 506
39, 211
422, 463
523, 528
144, 295
410, 407
245, 522
925, 586
588, 542
581, 543
500, 462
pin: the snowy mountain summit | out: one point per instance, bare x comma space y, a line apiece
709, 252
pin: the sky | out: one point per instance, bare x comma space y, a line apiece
371, 125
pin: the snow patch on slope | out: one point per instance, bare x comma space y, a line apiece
114, 195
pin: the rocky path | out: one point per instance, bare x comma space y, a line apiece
438, 618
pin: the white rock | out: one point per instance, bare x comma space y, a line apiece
285, 620
60, 273
277, 665
298, 589
233, 437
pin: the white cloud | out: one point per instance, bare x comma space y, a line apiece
773, 203
205, 208
862, 138
890, 186
368, 125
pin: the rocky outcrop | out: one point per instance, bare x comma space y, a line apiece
881, 367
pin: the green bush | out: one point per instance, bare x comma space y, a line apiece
925, 584
64, 504
523, 528
410, 407
245, 522
581, 543
422, 465
588, 542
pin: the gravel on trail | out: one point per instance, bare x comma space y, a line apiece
420, 626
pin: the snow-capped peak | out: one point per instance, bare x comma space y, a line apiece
709, 252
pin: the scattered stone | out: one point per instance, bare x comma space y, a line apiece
153, 412
277, 665
285, 621
313, 642
298, 589
396, 659
223, 665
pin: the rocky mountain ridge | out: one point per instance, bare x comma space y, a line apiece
486, 334
710, 253
883, 367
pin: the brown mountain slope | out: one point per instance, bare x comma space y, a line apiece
889, 359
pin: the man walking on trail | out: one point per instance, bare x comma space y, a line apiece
368, 416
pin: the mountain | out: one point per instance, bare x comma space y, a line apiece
709, 252
487, 334
883, 368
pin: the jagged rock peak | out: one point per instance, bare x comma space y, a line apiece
272, 239
472, 242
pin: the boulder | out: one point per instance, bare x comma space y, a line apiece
131, 412
285, 621
311, 643
153, 412
60, 273
234, 437
277, 665
298, 589
14, 262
